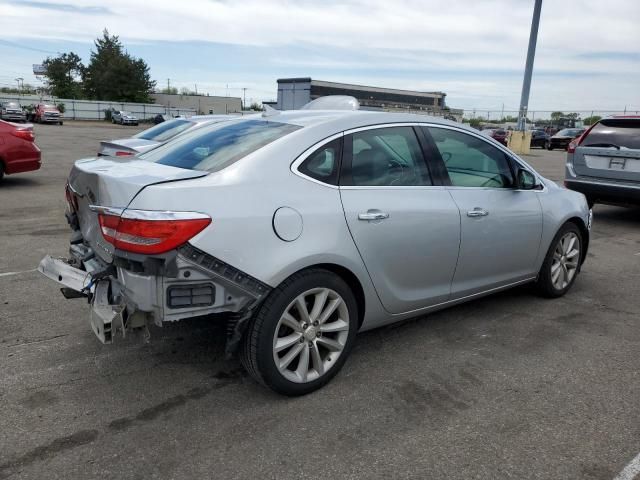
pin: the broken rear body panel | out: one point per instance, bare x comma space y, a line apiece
128, 290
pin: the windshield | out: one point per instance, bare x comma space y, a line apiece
12, 105
216, 147
165, 130
569, 132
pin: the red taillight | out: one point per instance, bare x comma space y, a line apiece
576, 142
150, 232
24, 134
120, 153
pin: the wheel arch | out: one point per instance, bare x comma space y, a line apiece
351, 280
584, 232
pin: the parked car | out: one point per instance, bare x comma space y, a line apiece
564, 137
18, 151
539, 138
305, 227
604, 163
12, 112
123, 118
499, 134
46, 113
154, 136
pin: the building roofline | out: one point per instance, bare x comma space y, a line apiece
352, 86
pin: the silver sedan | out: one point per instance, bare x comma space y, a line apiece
304, 227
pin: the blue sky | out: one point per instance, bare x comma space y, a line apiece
587, 57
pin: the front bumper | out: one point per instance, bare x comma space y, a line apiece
14, 117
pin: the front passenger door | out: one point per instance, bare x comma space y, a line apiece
501, 226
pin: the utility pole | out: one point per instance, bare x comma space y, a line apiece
244, 98
502, 113
528, 70
20, 82
168, 85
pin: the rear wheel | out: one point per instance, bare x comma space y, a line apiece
562, 263
302, 334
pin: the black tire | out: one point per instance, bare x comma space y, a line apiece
256, 351
1, 171
549, 147
544, 283
60, 123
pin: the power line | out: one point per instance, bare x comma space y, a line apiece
17, 45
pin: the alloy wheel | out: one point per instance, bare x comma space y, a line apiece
311, 335
566, 257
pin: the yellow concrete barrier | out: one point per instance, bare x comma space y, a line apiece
520, 142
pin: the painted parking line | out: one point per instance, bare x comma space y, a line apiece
8, 274
631, 471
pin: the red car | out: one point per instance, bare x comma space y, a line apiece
46, 113
499, 134
18, 151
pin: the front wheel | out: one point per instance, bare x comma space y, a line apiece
302, 334
562, 263
548, 146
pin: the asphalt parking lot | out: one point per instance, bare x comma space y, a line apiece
509, 386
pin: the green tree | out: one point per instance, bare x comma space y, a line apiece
64, 75
557, 115
592, 119
113, 74
170, 90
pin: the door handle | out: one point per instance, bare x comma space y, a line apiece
477, 212
373, 216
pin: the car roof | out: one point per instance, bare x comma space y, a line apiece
347, 119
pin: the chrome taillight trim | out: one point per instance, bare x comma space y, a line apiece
151, 215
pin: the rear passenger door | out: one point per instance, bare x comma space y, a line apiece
406, 229
501, 226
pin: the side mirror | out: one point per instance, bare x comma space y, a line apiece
526, 180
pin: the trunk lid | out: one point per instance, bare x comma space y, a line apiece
114, 182
611, 150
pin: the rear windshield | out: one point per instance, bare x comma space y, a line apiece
615, 132
213, 148
165, 130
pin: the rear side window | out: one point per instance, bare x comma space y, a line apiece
614, 132
324, 164
213, 148
384, 157
165, 130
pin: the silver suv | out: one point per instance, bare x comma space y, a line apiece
604, 163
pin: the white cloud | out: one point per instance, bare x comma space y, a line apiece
457, 35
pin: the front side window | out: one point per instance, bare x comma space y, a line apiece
324, 164
471, 161
385, 157
215, 147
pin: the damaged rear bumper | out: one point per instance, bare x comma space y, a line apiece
123, 296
